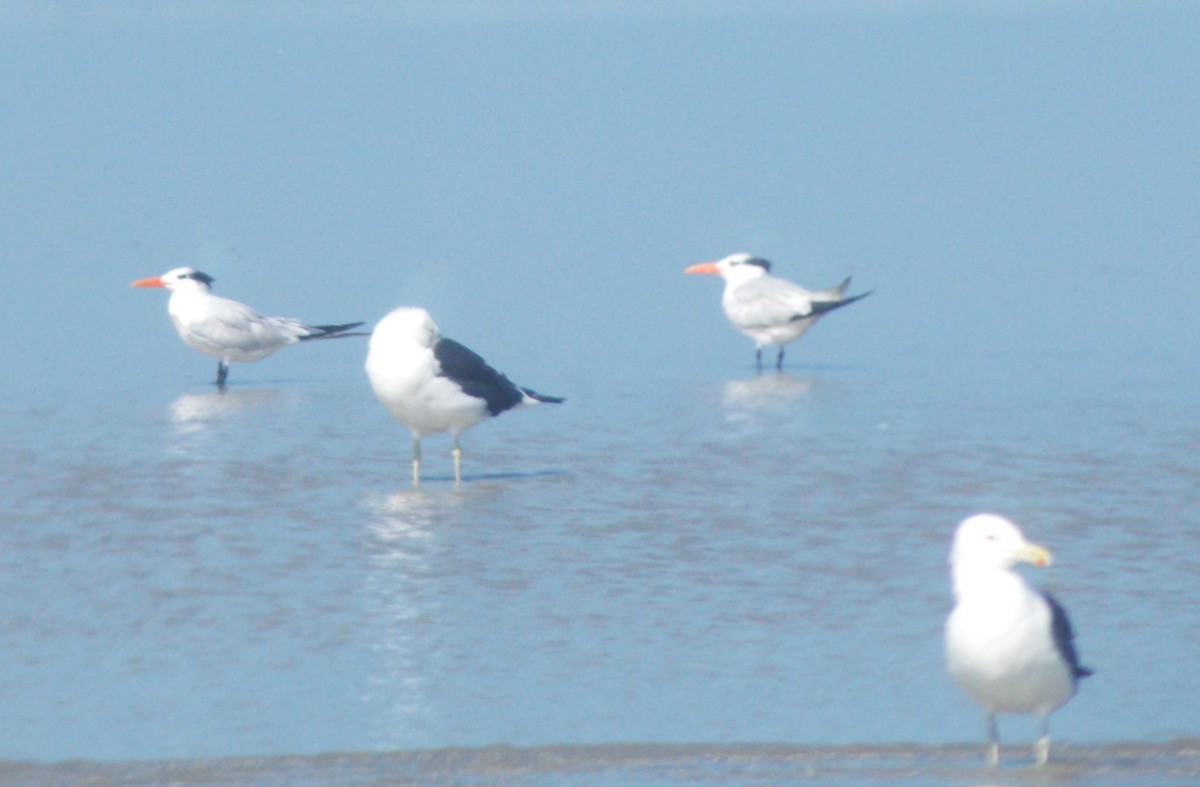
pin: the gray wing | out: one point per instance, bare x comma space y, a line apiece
237, 328
768, 301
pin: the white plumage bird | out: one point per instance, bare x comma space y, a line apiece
768, 309
1009, 646
227, 330
432, 384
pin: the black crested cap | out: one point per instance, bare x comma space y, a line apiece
200, 276
760, 262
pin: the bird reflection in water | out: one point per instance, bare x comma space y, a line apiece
765, 391
754, 403
400, 585
192, 413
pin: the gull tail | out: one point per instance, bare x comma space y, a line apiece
537, 397
332, 331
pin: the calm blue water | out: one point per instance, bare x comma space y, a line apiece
704, 557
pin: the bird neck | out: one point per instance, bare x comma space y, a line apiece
739, 275
189, 288
979, 580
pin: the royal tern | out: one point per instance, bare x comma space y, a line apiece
432, 384
768, 309
227, 330
1009, 646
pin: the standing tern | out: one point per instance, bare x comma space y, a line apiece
432, 384
227, 330
768, 309
1009, 646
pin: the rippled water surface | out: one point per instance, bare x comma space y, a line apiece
665, 559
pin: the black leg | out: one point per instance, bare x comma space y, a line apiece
758, 359
779, 359
222, 373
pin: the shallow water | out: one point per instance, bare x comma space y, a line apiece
705, 558
1173, 763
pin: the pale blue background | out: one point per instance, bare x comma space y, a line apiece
537, 174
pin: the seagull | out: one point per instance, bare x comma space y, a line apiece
227, 330
432, 384
1009, 646
768, 309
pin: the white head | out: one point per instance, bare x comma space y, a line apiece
735, 268
991, 541
407, 325
178, 279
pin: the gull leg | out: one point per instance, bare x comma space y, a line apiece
222, 373
993, 752
416, 459
456, 452
1041, 749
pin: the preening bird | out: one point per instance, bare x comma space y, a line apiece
432, 384
227, 330
768, 309
1009, 646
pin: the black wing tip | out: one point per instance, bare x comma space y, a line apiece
853, 298
338, 328
542, 397
333, 331
1064, 636
824, 307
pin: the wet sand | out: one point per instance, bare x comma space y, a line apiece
1175, 762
